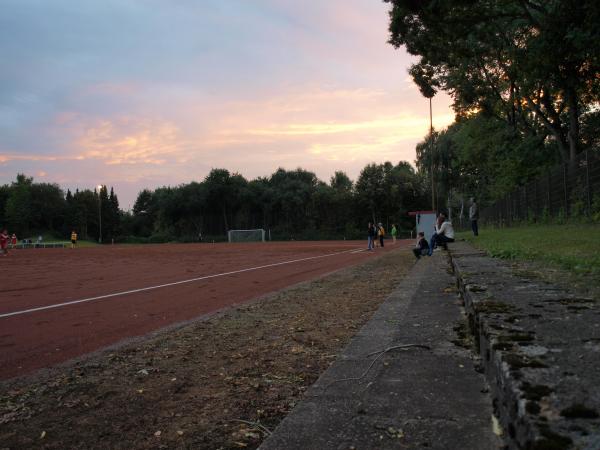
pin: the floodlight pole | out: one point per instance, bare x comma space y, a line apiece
99, 214
431, 155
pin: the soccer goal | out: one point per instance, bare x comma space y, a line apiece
257, 235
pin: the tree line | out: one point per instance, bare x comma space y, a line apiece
27, 208
523, 75
292, 204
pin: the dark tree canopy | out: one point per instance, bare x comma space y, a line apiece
533, 64
524, 78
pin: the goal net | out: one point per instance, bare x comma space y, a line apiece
257, 235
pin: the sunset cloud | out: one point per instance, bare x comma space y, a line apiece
130, 141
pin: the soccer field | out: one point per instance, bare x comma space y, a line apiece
58, 304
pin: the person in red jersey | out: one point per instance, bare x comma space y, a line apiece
4, 242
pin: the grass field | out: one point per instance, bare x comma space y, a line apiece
573, 247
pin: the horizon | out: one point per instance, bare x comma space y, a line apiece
138, 96
248, 179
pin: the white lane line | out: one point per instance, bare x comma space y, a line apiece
149, 288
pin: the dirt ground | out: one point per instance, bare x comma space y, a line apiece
219, 383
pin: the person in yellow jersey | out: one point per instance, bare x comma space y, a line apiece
73, 239
381, 233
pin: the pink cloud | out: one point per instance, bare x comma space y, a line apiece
130, 140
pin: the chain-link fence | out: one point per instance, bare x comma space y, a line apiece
571, 190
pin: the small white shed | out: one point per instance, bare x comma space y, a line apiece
425, 222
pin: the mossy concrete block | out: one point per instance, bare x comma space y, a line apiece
539, 345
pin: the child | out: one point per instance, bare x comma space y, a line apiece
13, 241
422, 247
4, 242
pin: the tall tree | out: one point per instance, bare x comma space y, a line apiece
292, 203
533, 64
48, 207
85, 213
18, 208
145, 213
370, 191
223, 190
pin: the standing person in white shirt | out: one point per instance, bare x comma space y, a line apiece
444, 233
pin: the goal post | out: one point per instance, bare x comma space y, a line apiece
257, 235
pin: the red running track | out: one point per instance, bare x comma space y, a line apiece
40, 278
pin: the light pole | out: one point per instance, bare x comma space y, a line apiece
431, 155
99, 214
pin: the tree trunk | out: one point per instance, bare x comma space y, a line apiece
553, 127
573, 134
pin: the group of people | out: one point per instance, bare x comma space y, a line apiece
6, 240
11, 241
376, 234
444, 232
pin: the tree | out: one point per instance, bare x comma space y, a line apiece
18, 208
385, 193
481, 156
5, 191
111, 214
260, 199
194, 195
88, 220
341, 182
145, 211
48, 207
532, 64
292, 199
341, 207
370, 191
223, 190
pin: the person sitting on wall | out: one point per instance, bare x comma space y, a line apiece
444, 233
422, 247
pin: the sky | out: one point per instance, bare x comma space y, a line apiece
139, 94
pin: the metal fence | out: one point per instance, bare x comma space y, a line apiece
571, 190
40, 245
